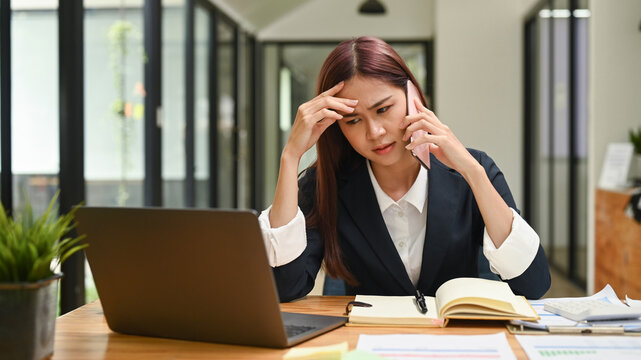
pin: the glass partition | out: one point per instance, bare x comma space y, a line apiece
556, 138
173, 103
202, 37
245, 122
34, 103
559, 140
114, 103
226, 127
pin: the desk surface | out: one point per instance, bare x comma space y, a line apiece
84, 334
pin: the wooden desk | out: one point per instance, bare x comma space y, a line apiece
617, 245
83, 334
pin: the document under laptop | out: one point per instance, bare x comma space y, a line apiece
190, 274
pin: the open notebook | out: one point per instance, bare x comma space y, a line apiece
461, 298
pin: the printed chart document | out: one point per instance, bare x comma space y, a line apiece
580, 347
410, 346
461, 298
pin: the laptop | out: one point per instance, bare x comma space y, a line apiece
190, 274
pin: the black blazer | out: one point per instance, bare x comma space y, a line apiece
453, 236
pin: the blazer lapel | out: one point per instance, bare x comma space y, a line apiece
359, 199
442, 217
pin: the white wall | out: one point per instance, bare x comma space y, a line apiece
478, 80
615, 75
339, 20
615, 88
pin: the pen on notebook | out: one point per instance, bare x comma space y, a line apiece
420, 302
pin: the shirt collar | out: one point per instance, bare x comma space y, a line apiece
416, 195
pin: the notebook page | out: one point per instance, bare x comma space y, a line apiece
497, 291
392, 309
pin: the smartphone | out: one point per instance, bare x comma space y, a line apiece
421, 152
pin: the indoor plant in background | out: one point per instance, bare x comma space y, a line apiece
635, 139
30, 248
122, 34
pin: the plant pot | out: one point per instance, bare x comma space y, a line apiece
28, 318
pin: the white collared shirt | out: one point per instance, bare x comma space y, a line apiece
406, 221
286, 243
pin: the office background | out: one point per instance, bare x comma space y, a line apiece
187, 103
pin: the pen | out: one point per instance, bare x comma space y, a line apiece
420, 302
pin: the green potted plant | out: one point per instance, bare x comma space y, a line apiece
635, 139
30, 247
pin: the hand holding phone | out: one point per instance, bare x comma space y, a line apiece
421, 152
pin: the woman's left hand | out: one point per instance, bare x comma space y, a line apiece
443, 143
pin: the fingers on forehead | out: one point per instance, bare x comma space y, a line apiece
334, 89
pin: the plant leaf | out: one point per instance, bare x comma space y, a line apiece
29, 245
71, 252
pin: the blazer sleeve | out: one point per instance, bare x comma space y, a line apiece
296, 279
534, 282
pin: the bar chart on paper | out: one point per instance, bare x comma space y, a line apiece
405, 346
580, 347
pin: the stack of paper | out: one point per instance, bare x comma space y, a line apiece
553, 322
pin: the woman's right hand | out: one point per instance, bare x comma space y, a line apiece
314, 117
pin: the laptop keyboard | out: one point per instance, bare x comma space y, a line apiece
293, 330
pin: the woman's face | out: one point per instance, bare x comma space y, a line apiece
373, 128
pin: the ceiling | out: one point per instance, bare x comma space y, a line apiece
323, 20
257, 14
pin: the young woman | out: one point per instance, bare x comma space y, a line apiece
370, 211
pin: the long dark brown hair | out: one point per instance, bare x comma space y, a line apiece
368, 57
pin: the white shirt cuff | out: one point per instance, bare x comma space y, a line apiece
283, 244
516, 253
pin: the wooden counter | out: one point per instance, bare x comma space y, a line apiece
617, 245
